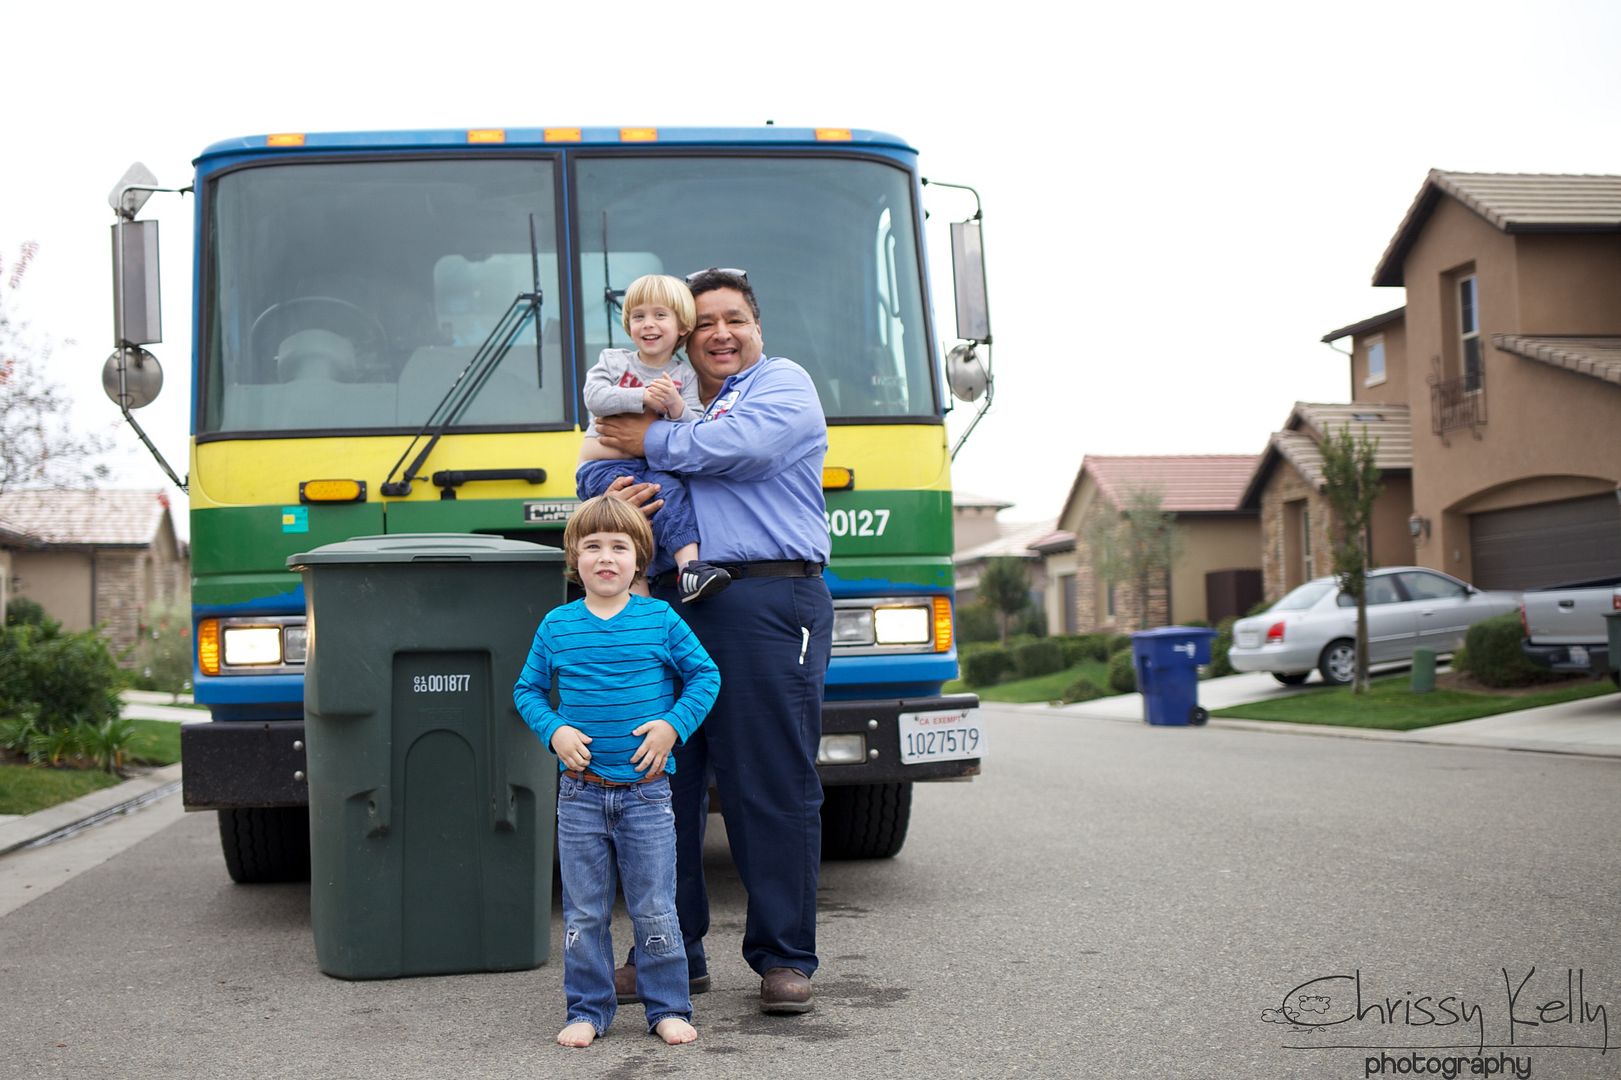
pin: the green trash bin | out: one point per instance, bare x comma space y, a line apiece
432, 804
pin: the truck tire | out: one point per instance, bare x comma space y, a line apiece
865, 821
266, 844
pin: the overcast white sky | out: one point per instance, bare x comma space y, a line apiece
1180, 199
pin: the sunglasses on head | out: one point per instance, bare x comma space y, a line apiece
729, 271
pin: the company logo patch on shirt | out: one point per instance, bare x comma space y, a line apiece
722, 406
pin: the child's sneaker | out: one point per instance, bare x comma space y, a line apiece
700, 580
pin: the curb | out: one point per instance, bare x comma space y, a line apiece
64, 819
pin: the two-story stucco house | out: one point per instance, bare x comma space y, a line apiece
1507, 354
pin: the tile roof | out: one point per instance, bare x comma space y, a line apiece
1187, 483
1017, 541
1511, 202
89, 518
1367, 324
1599, 357
1309, 422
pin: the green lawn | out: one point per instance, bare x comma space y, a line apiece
27, 788
1393, 706
1040, 688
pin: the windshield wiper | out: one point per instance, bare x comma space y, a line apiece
524, 308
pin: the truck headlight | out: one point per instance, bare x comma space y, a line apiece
901, 625
251, 645
852, 626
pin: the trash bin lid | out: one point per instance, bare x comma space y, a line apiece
425, 547
1175, 631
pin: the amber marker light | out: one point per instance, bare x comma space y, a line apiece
332, 491
562, 135
208, 646
487, 135
833, 134
838, 478
285, 139
942, 624
638, 134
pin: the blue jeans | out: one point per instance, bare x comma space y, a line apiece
606, 834
674, 525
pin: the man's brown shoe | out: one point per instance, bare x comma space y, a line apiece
625, 984
785, 990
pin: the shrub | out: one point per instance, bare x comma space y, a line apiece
1032, 621
1038, 658
61, 680
1219, 648
1122, 673
163, 653
1492, 654
977, 622
1083, 689
1085, 647
1119, 643
986, 667
21, 611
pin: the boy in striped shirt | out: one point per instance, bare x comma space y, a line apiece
616, 657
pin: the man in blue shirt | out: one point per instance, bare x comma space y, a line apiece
753, 465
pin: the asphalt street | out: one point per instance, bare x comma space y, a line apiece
1108, 900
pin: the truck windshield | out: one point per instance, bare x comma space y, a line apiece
348, 295
830, 249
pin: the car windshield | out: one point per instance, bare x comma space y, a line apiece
349, 295
1303, 597
829, 245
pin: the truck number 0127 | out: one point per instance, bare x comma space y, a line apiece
843, 522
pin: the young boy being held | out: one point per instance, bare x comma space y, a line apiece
616, 656
658, 315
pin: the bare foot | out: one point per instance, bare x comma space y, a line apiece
577, 1034
673, 1030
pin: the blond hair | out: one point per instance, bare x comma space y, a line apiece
606, 514
667, 291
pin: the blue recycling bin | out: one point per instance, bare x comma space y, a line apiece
1167, 660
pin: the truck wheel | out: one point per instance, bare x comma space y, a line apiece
865, 821
266, 844
1338, 662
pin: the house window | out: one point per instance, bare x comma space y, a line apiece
1109, 605
1469, 332
1376, 362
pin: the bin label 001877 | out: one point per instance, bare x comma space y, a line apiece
441, 684
946, 735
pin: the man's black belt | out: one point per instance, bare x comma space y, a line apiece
768, 568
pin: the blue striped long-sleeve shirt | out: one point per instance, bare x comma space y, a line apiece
613, 675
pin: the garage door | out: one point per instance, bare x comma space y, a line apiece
1548, 544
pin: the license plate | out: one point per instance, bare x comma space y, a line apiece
1578, 655
941, 736
1249, 639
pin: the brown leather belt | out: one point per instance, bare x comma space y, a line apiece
590, 777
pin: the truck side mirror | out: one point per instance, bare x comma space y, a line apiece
137, 314
968, 275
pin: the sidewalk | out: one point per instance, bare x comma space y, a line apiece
1591, 726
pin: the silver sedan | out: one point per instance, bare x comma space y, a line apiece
1314, 627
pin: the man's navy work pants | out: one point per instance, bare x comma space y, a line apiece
770, 637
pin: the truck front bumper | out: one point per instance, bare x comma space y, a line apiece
237, 764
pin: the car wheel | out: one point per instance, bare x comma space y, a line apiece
1338, 662
1291, 678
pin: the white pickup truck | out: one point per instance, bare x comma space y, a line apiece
1565, 627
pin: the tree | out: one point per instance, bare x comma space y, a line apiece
1004, 585
1351, 484
38, 445
1139, 545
